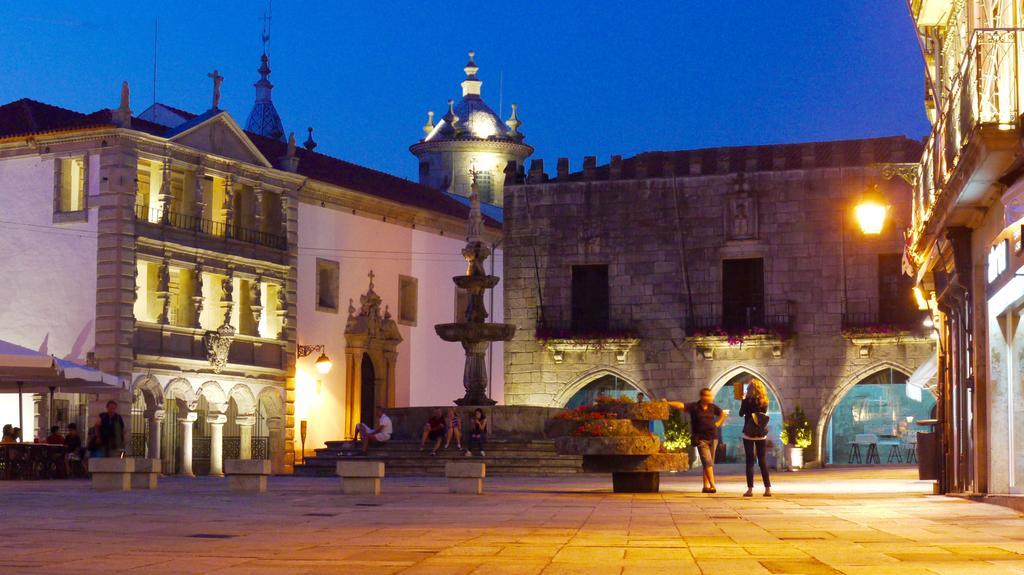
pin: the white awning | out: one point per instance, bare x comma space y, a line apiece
29, 371
923, 377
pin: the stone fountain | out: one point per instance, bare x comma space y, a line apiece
473, 332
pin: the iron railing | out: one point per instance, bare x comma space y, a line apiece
875, 322
984, 91
717, 319
159, 216
563, 322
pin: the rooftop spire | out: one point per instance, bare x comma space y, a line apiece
264, 119
310, 143
429, 126
471, 85
513, 122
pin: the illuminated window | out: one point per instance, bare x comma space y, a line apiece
408, 295
70, 186
327, 276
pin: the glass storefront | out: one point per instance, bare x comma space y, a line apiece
882, 410
731, 435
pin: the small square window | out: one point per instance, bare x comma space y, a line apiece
407, 299
327, 277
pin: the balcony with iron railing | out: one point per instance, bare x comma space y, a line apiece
159, 217
975, 135
710, 320
563, 322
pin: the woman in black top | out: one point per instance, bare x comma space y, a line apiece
478, 434
754, 411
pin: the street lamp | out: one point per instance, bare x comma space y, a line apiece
871, 213
323, 363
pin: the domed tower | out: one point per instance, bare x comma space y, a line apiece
264, 119
470, 138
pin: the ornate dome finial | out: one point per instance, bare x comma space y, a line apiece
513, 121
429, 126
450, 117
310, 143
471, 85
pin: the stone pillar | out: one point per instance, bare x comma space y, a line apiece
474, 378
228, 300
166, 198
284, 213
282, 310
155, 420
245, 425
227, 209
216, 421
391, 361
185, 465
256, 303
198, 201
257, 212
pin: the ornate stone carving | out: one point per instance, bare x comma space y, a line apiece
218, 345
282, 309
256, 300
163, 291
228, 300
741, 213
197, 294
369, 320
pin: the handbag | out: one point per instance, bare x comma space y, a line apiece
756, 425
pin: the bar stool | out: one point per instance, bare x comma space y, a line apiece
855, 453
871, 440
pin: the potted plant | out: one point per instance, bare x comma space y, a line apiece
677, 435
797, 436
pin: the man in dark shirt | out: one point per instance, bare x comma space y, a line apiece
111, 431
705, 419
435, 430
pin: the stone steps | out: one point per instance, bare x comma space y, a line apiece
403, 458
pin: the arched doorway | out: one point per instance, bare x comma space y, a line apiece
881, 405
367, 391
608, 384
731, 433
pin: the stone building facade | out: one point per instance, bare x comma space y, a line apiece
674, 271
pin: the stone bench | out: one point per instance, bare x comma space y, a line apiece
247, 475
145, 474
111, 473
360, 477
465, 476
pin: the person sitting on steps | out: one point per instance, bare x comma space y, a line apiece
478, 433
434, 430
378, 435
454, 424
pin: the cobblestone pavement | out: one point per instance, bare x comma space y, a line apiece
878, 522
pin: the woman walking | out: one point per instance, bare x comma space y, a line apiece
754, 411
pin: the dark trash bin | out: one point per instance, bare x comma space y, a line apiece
928, 455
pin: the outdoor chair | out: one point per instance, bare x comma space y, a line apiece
911, 447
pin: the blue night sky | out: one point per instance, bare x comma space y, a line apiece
591, 78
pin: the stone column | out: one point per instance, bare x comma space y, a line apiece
245, 425
185, 465
216, 421
154, 419
282, 309
198, 201
257, 211
166, 198
256, 303
227, 209
284, 213
391, 361
228, 299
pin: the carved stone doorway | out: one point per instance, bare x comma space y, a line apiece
371, 342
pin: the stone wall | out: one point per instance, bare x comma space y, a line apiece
663, 223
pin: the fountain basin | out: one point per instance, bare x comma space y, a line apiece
475, 332
626, 445
479, 282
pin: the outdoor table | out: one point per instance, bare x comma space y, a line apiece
32, 461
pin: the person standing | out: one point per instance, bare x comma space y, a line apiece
754, 411
705, 419
111, 431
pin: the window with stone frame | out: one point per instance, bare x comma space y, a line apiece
591, 299
327, 283
485, 187
896, 303
408, 299
461, 303
70, 188
743, 301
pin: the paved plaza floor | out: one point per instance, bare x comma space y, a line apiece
856, 522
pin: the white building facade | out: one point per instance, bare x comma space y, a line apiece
212, 267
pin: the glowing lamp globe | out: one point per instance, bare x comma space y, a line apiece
323, 364
871, 216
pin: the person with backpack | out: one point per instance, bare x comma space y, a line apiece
754, 411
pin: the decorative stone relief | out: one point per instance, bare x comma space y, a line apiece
741, 222
218, 344
256, 299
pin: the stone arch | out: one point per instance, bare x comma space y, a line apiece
245, 401
151, 392
271, 403
181, 389
728, 375
215, 395
582, 380
841, 390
